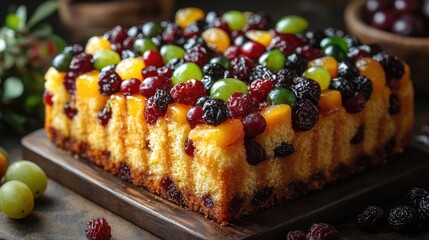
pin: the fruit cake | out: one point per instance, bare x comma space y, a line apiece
226, 114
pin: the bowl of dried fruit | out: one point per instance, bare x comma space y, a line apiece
399, 26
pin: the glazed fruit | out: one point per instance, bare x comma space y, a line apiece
105, 58
143, 45
371, 219
215, 112
305, 115
242, 104
130, 87
320, 75
188, 92
403, 218
254, 124
414, 196
236, 20
156, 106
291, 24
169, 52
186, 72
319, 231
273, 60
30, 174
296, 235
223, 88
62, 61
16, 199
281, 96
98, 229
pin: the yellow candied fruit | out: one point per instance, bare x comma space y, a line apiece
373, 70
217, 39
222, 135
330, 101
186, 16
329, 63
276, 114
130, 68
177, 113
97, 43
135, 104
87, 85
54, 79
259, 36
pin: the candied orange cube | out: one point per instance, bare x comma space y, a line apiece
330, 101
329, 63
222, 135
130, 68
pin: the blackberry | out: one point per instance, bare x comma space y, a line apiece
344, 86
174, 63
391, 65
242, 104
109, 82
188, 92
305, 115
394, 105
403, 218
156, 106
208, 82
305, 88
371, 219
296, 235
347, 70
254, 152
242, 67
297, 63
214, 70
363, 85
98, 229
284, 150
414, 196
320, 231
423, 207
261, 72
284, 78
215, 112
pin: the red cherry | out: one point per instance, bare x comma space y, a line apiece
252, 49
130, 87
153, 58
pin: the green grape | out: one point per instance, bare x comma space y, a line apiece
281, 96
62, 61
144, 44
336, 52
103, 58
30, 174
335, 40
16, 200
291, 24
151, 29
320, 75
273, 60
223, 88
170, 51
222, 61
236, 20
185, 72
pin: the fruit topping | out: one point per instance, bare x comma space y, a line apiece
242, 67
392, 66
105, 58
197, 55
347, 70
130, 87
284, 150
319, 231
403, 218
217, 39
320, 75
281, 96
81, 63
188, 92
344, 86
222, 61
153, 58
186, 72
109, 82
252, 50
254, 124
273, 60
195, 116
69, 110
144, 44
214, 70
297, 63
305, 88
335, 40
98, 229
104, 115
335, 51
186, 16
260, 89
169, 52
414, 196
363, 85
150, 85
254, 152
215, 112
62, 61
189, 147
291, 24
371, 219
242, 104
156, 106
223, 88
236, 20
305, 115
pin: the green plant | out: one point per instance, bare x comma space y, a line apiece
26, 49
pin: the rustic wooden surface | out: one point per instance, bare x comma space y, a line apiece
170, 221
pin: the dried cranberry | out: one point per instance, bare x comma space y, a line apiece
296, 235
156, 106
172, 192
284, 150
321, 231
189, 147
254, 124
309, 52
104, 115
109, 82
215, 112
47, 97
153, 58
252, 50
188, 92
363, 85
130, 87
69, 81
356, 53
98, 229
82, 63
164, 72
232, 52
254, 152
305, 88
260, 89
194, 30
124, 172
287, 43
197, 55
207, 201
149, 71
69, 110
220, 23
356, 103
172, 33
150, 85
242, 104
305, 115
195, 116
242, 67
117, 35
394, 105
371, 219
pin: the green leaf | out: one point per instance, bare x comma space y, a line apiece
13, 21
44, 10
13, 88
21, 12
43, 30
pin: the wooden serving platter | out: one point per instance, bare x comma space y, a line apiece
169, 221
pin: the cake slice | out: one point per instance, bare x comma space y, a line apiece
224, 115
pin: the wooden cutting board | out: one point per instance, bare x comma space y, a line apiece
169, 221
